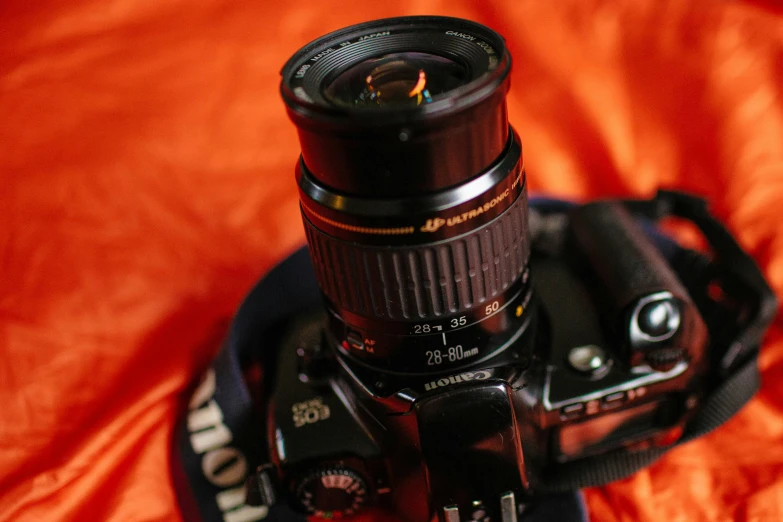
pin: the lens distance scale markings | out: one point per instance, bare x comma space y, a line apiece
446, 344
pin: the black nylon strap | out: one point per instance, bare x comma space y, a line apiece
727, 400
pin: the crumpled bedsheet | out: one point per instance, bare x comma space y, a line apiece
146, 183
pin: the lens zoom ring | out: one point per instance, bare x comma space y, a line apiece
425, 281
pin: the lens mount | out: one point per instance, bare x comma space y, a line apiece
400, 106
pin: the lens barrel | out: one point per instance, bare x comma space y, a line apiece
413, 191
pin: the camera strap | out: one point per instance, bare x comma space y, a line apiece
221, 436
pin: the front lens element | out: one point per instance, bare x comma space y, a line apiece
404, 79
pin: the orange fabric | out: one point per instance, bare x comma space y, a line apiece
147, 182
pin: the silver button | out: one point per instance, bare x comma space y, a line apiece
508, 508
451, 514
655, 318
589, 359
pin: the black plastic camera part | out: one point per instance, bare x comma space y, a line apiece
508, 433
256, 337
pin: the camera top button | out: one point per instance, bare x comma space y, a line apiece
589, 359
613, 400
659, 319
572, 411
355, 340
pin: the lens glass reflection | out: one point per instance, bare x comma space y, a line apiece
397, 80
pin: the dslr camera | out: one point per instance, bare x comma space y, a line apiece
477, 349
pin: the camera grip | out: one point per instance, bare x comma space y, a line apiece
644, 303
615, 249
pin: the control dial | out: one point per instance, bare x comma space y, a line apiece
331, 492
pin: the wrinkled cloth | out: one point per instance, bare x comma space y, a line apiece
146, 183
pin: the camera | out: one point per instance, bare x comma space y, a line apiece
477, 349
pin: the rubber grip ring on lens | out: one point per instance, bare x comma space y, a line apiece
424, 281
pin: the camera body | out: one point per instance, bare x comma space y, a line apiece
613, 359
472, 353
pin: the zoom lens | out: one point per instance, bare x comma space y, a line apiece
413, 191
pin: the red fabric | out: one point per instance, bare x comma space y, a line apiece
147, 182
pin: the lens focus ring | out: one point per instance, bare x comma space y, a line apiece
425, 281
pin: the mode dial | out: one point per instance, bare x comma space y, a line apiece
331, 492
